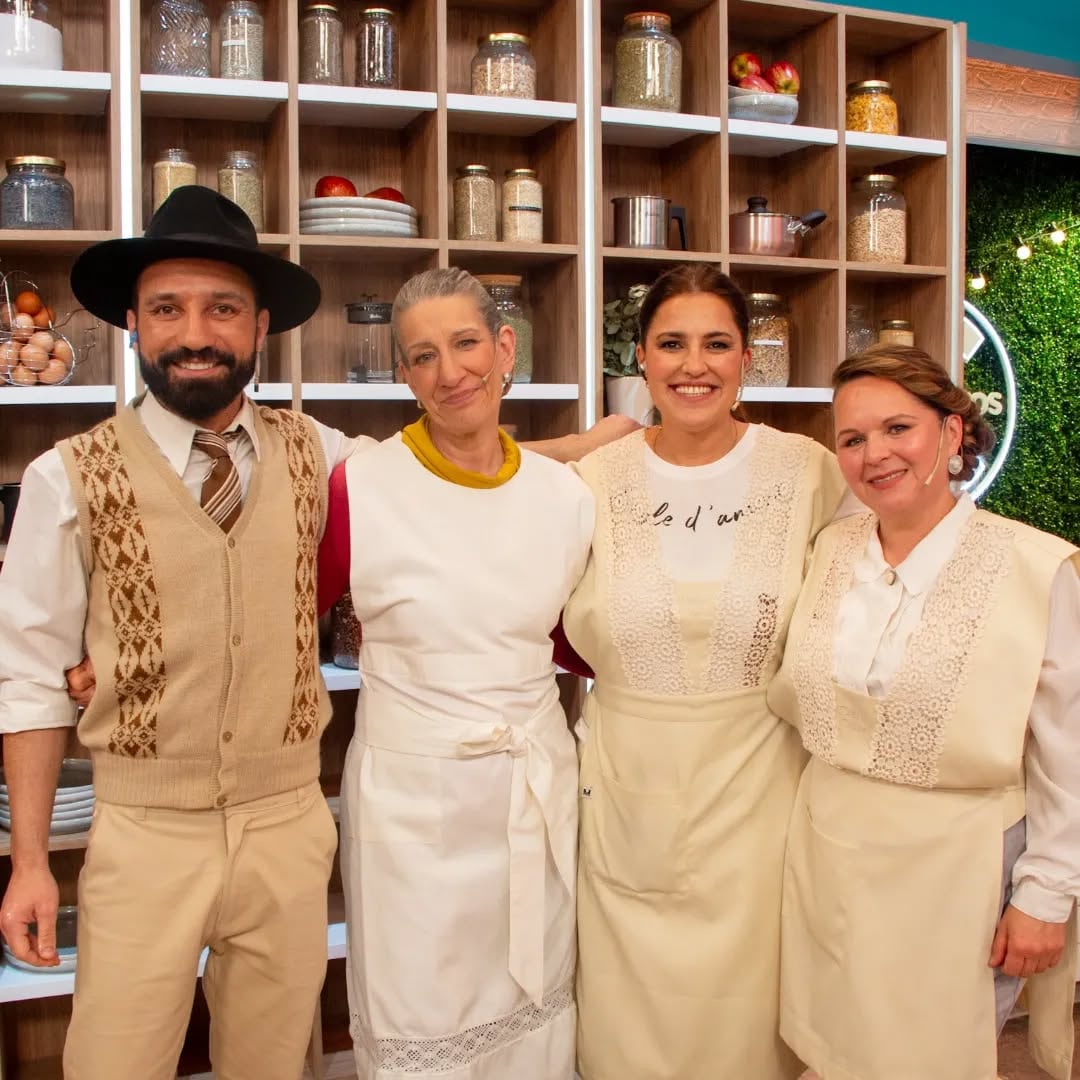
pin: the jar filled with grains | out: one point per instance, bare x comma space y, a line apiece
174, 168
896, 332
240, 29
240, 180
31, 34
474, 203
860, 330
769, 341
877, 220
322, 45
648, 64
345, 633
522, 207
504, 67
505, 290
871, 107
179, 38
35, 194
377, 49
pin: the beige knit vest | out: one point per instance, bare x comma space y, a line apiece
204, 644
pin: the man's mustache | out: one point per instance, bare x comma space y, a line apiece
207, 355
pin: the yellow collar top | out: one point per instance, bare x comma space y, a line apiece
417, 437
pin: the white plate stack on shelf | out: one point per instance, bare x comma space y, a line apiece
759, 105
73, 806
357, 216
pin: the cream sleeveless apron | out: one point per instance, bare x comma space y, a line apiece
893, 874
459, 811
687, 779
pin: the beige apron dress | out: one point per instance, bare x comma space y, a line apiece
687, 779
893, 875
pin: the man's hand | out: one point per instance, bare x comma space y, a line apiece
1024, 945
31, 897
81, 682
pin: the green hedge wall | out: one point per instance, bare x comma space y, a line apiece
1035, 306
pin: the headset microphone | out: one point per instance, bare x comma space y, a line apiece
937, 457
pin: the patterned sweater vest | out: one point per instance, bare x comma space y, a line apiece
204, 643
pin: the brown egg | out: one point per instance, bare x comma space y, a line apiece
55, 371
9, 353
62, 351
28, 301
44, 317
33, 357
42, 339
22, 326
21, 376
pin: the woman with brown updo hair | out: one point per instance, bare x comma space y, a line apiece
687, 779
932, 670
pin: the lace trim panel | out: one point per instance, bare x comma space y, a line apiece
450, 1052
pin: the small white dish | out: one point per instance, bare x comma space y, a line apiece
356, 202
358, 228
334, 213
758, 105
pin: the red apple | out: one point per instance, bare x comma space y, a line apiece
743, 64
335, 186
756, 82
784, 77
386, 193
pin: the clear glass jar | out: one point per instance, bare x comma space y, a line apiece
240, 179
377, 49
35, 194
345, 633
371, 342
896, 332
504, 67
179, 38
241, 34
174, 168
474, 203
871, 107
322, 45
860, 330
648, 64
877, 220
769, 341
522, 207
505, 290
30, 34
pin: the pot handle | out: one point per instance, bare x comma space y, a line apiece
808, 221
678, 214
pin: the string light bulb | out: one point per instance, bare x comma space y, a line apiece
1057, 235
1023, 249
977, 282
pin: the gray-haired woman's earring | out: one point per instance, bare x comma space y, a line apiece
507, 382
955, 465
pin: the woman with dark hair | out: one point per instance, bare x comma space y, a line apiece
932, 670
687, 779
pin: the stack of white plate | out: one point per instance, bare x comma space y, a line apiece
356, 216
73, 806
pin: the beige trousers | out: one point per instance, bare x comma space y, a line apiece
158, 886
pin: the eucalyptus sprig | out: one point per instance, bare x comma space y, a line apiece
620, 332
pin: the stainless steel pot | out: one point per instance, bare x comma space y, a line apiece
644, 221
759, 231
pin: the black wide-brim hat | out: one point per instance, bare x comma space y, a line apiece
194, 222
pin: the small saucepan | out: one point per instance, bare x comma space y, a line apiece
760, 231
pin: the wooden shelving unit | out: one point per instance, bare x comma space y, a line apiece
108, 120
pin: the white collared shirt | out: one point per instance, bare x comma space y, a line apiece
43, 584
874, 624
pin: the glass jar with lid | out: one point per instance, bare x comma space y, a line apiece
377, 49
322, 45
371, 343
474, 203
30, 34
860, 329
240, 179
174, 168
505, 290
179, 38
648, 64
896, 332
877, 220
871, 107
769, 340
522, 207
504, 67
240, 32
35, 194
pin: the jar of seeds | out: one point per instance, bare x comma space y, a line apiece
322, 45
896, 332
522, 207
505, 290
35, 194
860, 330
877, 220
504, 67
648, 64
377, 49
240, 180
31, 34
179, 38
240, 30
871, 107
769, 341
474, 203
174, 168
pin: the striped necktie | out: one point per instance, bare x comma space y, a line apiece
221, 495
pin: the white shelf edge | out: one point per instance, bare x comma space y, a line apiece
899, 144
193, 86
750, 137
57, 395
31, 90
401, 392
315, 93
787, 394
270, 391
339, 678
652, 128
503, 106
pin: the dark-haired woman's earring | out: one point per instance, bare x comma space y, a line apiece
507, 382
738, 398
956, 465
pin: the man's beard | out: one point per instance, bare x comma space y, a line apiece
196, 399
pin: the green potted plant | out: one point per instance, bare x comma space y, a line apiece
624, 388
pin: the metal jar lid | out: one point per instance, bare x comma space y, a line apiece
875, 178
474, 170
528, 174
31, 159
765, 298
513, 280
896, 324
378, 11
322, 7
647, 18
869, 86
506, 39
368, 311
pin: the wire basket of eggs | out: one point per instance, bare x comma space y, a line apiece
35, 349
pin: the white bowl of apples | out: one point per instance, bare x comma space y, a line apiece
756, 94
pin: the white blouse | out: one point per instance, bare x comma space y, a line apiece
878, 616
